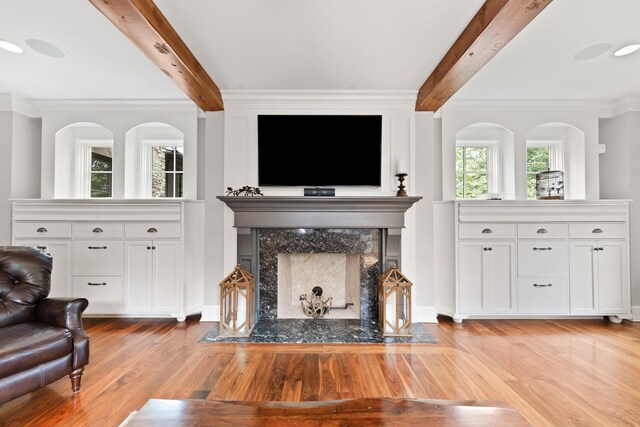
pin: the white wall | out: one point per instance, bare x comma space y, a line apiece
6, 149
118, 117
215, 213
520, 119
25, 157
619, 178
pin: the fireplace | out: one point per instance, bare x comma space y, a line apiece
344, 262
342, 244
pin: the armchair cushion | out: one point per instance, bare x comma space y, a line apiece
25, 279
26, 345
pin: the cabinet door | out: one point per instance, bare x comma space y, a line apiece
167, 282
612, 277
60, 252
499, 277
138, 277
582, 283
470, 277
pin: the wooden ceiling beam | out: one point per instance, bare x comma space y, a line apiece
144, 24
495, 24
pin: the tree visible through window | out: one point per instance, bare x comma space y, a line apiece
166, 171
472, 179
538, 160
101, 172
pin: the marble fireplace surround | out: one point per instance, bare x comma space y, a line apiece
264, 223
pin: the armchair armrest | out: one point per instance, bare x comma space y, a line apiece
67, 313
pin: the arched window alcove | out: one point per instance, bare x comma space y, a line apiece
484, 162
154, 161
83, 165
557, 146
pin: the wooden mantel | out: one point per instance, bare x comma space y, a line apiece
319, 212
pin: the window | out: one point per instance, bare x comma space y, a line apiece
165, 168
475, 173
541, 156
101, 178
94, 168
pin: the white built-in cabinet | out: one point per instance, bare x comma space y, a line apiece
487, 275
532, 259
126, 257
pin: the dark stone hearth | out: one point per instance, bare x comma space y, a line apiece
365, 242
327, 331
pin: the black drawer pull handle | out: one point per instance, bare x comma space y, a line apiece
542, 231
41, 230
487, 231
598, 249
97, 230
597, 231
97, 284
152, 230
42, 248
542, 249
97, 247
487, 249
547, 285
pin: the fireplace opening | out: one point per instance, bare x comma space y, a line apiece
345, 263
338, 276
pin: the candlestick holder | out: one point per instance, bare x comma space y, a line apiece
401, 192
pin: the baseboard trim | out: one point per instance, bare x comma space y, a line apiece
425, 314
635, 313
210, 313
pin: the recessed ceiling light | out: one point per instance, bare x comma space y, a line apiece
592, 51
627, 50
45, 48
10, 47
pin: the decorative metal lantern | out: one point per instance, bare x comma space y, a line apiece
394, 303
550, 185
237, 302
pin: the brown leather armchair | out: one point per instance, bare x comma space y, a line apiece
41, 340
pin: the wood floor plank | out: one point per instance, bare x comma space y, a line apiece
554, 372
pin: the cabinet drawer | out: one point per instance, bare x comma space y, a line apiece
487, 231
105, 293
542, 231
595, 230
543, 295
98, 257
96, 230
41, 230
543, 258
151, 230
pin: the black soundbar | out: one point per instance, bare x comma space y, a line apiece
319, 191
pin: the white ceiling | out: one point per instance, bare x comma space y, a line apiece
320, 44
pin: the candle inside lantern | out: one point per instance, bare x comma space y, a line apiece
401, 166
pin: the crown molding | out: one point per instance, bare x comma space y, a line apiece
601, 107
626, 104
16, 104
114, 106
314, 99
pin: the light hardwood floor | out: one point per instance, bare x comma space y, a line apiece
555, 372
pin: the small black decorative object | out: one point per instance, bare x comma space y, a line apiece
244, 191
401, 188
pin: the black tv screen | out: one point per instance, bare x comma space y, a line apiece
319, 150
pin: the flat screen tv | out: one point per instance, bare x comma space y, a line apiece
319, 150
